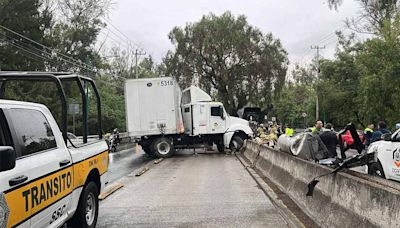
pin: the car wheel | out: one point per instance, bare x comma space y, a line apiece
163, 147
236, 144
376, 169
88, 208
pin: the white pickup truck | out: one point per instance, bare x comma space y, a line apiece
46, 179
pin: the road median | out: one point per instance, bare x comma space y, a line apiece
341, 200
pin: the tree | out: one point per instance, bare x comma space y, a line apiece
23, 17
228, 58
373, 16
75, 34
147, 68
294, 100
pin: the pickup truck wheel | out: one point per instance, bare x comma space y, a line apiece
88, 208
163, 147
376, 169
236, 143
221, 148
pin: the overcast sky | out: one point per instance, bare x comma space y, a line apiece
298, 24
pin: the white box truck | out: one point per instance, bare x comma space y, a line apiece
161, 118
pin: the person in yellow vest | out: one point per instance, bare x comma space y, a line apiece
289, 131
368, 134
317, 127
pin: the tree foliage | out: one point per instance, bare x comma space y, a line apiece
227, 57
360, 84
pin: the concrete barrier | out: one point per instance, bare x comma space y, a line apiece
340, 200
251, 151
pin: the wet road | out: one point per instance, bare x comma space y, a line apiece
204, 190
126, 161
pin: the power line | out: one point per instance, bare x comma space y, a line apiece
37, 43
74, 62
44, 58
137, 46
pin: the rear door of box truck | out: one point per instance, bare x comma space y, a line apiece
151, 104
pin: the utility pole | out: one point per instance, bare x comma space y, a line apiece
137, 53
318, 48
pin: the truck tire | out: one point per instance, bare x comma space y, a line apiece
236, 143
163, 147
148, 151
88, 208
221, 148
376, 169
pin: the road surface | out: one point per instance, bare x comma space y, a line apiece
125, 162
204, 190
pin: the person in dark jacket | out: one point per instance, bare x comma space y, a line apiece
330, 139
382, 129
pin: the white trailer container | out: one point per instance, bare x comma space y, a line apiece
152, 107
161, 118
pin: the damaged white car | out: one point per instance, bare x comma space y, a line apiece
386, 157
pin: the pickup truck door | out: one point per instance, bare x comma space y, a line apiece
44, 164
14, 213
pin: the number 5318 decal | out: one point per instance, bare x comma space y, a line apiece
167, 83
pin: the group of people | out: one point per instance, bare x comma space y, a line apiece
330, 138
269, 134
371, 135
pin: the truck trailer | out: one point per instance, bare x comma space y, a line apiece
161, 118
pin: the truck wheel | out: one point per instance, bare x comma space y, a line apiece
376, 169
236, 144
221, 148
88, 208
163, 147
148, 151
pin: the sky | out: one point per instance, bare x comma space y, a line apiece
298, 24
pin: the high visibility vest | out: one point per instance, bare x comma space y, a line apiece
368, 130
289, 131
315, 130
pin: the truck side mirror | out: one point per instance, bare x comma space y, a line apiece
387, 137
7, 158
222, 112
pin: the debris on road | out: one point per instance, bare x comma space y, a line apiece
158, 160
145, 169
110, 190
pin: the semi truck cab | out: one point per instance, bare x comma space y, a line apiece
202, 116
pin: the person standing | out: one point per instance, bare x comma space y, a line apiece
368, 134
330, 139
382, 129
317, 127
289, 131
